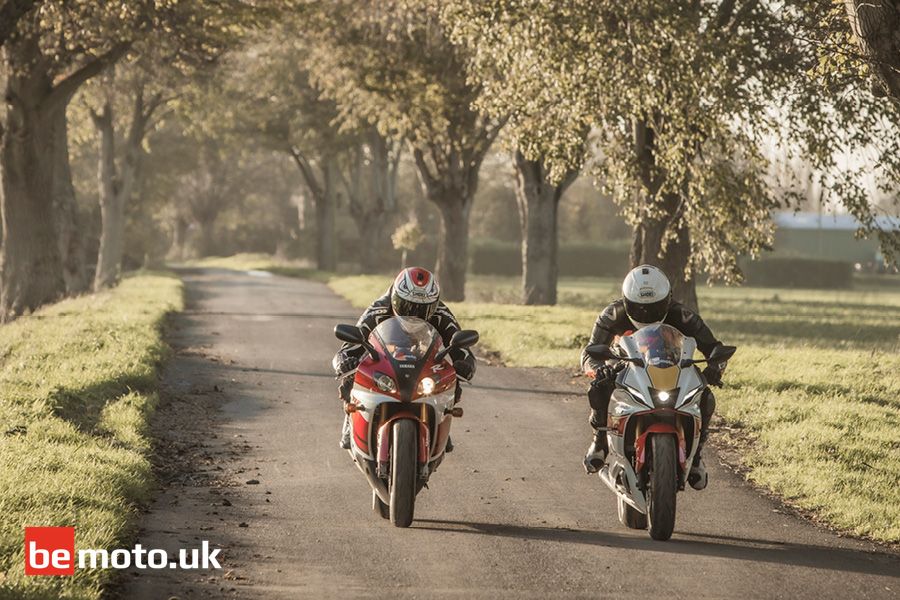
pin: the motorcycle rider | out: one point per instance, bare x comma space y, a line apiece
647, 300
414, 293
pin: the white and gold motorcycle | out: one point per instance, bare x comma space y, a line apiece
653, 425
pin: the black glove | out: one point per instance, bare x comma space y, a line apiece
604, 374
347, 365
463, 369
713, 375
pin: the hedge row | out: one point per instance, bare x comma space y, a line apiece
612, 260
575, 259
798, 273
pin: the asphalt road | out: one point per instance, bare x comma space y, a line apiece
509, 514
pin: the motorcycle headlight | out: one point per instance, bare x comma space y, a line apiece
385, 383
664, 397
426, 386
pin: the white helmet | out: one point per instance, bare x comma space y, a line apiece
647, 295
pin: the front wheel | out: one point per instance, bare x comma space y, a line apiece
404, 455
629, 517
663, 487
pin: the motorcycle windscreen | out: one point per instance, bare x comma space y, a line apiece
407, 342
660, 345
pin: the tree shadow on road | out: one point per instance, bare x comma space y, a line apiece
718, 546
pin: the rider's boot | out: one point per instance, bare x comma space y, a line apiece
698, 477
345, 433
595, 457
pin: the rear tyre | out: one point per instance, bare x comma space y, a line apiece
631, 518
380, 508
663, 487
404, 455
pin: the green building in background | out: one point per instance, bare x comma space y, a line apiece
828, 236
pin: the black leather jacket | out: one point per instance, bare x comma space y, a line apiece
380, 310
613, 321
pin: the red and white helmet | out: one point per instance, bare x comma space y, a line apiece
415, 293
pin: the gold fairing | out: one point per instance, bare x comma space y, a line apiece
663, 378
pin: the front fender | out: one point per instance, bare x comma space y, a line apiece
384, 440
640, 444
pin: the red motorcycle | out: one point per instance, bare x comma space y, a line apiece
401, 408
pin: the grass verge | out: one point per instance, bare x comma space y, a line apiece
77, 385
813, 387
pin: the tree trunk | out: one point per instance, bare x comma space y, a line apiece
179, 239
326, 244
116, 187
38, 202
203, 240
651, 234
31, 268
370, 184
538, 202
450, 179
324, 195
112, 209
69, 231
372, 237
453, 246
876, 25
647, 249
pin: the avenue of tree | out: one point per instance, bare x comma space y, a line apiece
672, 108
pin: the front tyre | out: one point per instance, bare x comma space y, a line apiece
629, 517
404, 455
663, 487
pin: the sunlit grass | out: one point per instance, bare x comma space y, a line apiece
77, 384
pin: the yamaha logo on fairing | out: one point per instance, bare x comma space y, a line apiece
407, 366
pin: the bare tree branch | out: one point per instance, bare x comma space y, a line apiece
66, 88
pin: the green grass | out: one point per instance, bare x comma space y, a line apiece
815, 383
77, 384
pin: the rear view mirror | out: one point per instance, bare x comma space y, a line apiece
464, 338
721, 353
718, 354
600, 352
349, 333
354, 335
461, 339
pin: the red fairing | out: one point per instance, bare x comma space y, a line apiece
360, 431
365, 373
442, 372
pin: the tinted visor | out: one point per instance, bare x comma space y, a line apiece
406, 308
653, 312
